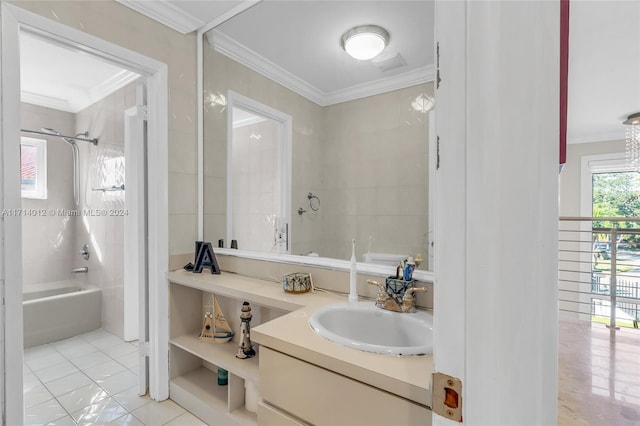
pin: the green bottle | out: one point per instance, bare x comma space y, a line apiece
223, 377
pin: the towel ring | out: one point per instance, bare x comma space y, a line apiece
315, 206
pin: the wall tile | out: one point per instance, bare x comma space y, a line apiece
182, 231
183, 193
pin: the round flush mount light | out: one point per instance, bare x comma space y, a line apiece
365, 42
633, 119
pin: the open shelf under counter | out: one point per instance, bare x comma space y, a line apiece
221, 354
199, 393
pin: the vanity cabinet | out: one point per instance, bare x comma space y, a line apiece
297, 377
295, 392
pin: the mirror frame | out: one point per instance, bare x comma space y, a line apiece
319, 262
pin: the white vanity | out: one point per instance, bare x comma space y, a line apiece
301, 378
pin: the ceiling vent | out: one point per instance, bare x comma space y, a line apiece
391, 63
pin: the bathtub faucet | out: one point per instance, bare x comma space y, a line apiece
82, 270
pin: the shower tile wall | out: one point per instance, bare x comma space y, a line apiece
103, 166
49, 250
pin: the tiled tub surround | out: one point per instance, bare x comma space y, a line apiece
291, 333
99, 166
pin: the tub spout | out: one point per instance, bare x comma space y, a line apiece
82, 270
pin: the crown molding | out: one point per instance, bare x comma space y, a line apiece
165, 13
376, 87
46, 101
109, 86
225, 45
247, 57
81, 99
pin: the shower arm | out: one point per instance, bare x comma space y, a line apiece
93, 141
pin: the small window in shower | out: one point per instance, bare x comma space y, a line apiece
33, 168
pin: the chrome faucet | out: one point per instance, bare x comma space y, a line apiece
386, 301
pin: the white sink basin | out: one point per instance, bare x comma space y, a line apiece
364, 326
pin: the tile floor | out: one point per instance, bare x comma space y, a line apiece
91, 379
598, 375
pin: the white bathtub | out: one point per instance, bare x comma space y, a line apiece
59, 310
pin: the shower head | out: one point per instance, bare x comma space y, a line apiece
57, 133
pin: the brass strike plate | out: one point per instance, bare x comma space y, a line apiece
447, 396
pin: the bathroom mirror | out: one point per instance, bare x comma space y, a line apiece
361, 134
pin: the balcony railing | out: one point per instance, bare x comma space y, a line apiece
599, 268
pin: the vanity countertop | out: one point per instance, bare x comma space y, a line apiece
408, 377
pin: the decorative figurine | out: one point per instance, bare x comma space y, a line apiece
218, 330
245, 349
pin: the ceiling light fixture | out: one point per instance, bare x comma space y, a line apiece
632, 139
365, 42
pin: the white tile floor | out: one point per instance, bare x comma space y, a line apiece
91, 379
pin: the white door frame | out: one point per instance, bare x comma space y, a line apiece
156, 73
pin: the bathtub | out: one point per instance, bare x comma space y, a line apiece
55, 311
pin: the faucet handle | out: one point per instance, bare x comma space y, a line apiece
408, 301
376, 283
383, 300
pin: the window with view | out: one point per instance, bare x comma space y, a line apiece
33, 168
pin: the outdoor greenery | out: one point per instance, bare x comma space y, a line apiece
617, 195
607, 320
603, 265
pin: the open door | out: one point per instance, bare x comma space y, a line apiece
136, 282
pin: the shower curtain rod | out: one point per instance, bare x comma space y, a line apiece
92, 141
